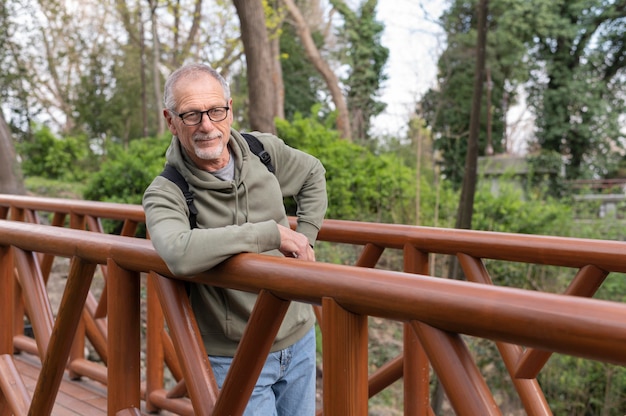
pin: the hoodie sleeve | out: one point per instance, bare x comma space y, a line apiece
186, 251
303, 177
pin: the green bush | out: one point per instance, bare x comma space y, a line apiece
126, 173
51, 157
361, 185
509, 210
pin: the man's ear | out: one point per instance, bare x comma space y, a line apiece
170, 122
230, 115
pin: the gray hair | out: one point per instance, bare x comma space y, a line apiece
190, 71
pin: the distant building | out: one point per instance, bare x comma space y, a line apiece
511, 169
592, 199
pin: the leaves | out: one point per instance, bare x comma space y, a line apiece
362, 185
577, 52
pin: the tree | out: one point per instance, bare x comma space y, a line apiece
274, 18
466, 204
11, 181
314, 55
578, 81
99, 68
447, 108
261, 91
302, 82
365, 58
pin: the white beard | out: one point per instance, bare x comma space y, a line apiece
210, 153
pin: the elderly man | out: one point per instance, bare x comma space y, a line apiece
239, 205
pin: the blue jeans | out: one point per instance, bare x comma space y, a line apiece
286, 385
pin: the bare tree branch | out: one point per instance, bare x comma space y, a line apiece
332, 82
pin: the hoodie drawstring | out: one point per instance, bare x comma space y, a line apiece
247, 202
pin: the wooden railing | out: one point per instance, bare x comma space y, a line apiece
435, 313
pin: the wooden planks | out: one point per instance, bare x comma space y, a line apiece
75, 398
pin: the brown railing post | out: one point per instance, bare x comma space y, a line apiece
124, 339
36, 299
78, 347
344, 357
18, 308
251, 354
77, 221
190, 351
529, 391
416, 365
7, 283
451, 360
64, 330
416, 372
154, 346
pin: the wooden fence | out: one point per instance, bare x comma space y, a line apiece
435, 313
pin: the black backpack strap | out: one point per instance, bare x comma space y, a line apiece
257, 148
171, 173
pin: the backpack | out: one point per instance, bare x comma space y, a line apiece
171, 173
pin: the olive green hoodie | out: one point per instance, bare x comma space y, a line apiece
235, 217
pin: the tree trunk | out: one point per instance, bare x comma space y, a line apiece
156, 78
277, 78
142, 76
261, 92
466, 205
11, 181
489, 149
343, 116
468, 190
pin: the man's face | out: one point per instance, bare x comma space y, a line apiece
206, 142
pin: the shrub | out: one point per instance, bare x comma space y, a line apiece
126, 173
51, 157
361, 185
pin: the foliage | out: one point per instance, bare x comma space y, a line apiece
583, 387
52, 157
103, 109
544, 172
92, 69
438, 203
361, 185
578, 68
510, 211
365, 57
302, 82
10, 94
127, 172
447, 108
572, 54
54, 188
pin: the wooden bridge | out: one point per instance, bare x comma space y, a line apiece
128, 378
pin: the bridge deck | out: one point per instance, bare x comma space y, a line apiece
75, 398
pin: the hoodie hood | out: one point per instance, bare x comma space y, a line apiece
229, 200
197, 177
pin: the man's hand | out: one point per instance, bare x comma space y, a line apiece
294, 244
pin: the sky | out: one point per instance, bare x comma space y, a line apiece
415, 42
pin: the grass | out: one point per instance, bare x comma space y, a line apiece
54, 188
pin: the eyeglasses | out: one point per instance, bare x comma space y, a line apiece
193, 118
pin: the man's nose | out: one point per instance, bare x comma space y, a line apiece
206, 123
